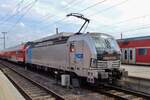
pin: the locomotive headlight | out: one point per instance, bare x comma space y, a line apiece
93, 62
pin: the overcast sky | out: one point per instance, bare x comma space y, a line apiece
26, 20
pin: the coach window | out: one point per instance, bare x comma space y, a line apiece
125, 54
130, 54
142, 51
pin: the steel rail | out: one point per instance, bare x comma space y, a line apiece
55, 95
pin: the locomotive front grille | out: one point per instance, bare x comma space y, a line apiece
108, 64
116, 64
102, 64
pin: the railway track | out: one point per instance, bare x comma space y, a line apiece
111, 91
30, 89
122, 94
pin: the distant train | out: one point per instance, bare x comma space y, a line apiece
135, 50
15, 54
91, 56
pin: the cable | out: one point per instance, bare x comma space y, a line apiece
50, 16
127, 20
82, 10
130, 19
15, 14
69, 3
17, 8
118, 4
90, 6
22, 16
130, 30
93, 5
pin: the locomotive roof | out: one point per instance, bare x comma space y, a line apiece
62, 34
93, 33
135, 38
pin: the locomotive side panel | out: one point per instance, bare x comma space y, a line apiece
54, 56
79, 58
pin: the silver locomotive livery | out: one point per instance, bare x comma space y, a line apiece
92, 56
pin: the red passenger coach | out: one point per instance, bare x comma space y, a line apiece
135, 50
16, 54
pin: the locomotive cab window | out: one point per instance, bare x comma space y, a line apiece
142, 51
105, 42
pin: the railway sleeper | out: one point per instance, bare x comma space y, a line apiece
35, 90
32, 88
44, 98
39, 95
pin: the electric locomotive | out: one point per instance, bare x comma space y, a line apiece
92, 56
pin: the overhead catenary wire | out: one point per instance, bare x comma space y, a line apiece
146, 26
85, 10
126, 20
105, 9
119, 21
118, 4
16, 8
46, 17
30, 7
17, 13
98, 3
7, 17
91, 6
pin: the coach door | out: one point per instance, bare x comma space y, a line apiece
128, 55
131, 55
125, 57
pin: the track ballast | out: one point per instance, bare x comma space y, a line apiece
109, 90
30, 89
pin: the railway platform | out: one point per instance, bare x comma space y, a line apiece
7, 90
138, 78
137, 71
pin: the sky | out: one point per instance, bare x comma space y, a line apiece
27, 20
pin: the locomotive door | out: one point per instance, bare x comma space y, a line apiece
76, 55
131, 55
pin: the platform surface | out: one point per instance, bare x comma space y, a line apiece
138, 71
7, 90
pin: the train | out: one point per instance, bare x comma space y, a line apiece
94, 57
90, 57
135, 50
15, 54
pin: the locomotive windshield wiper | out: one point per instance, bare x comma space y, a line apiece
81, 17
